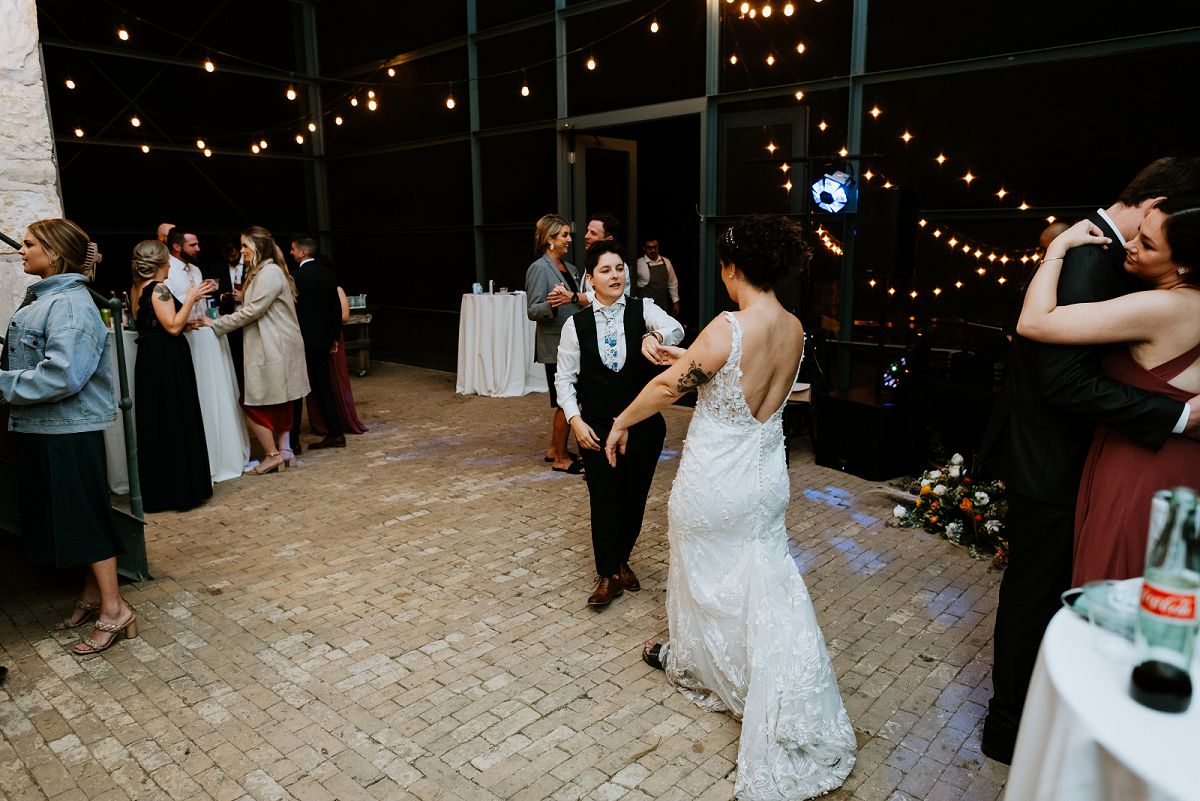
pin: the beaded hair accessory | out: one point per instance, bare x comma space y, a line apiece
93, 257
728, 237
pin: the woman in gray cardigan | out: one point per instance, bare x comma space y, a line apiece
551, 243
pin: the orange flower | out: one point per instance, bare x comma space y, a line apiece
926, 489
933, 505
933, 518
965, 505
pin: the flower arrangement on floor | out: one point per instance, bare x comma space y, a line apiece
949, 503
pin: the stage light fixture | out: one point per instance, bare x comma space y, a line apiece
831, 191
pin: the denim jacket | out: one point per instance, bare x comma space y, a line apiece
58, 380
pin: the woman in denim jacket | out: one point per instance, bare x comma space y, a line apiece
56, 379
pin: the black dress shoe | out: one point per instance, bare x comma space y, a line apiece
997, 741
329, 442
607, 588
628, 580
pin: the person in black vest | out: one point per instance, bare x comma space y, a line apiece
319, 312
596, 379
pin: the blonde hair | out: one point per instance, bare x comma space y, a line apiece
546, 229
263, 250
149, 255
68, 247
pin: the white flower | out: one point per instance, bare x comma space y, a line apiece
940, 489
934, 474
956, 459
954, 531
925, 482
981, 498
955, 471
900, 511
993, 526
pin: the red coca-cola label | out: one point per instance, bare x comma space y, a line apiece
1164, 603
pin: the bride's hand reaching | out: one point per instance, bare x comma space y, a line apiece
617, 439
1084, 232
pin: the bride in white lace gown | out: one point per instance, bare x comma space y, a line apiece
744, 636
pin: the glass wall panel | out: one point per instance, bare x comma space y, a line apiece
355, 32
490, 13
509, 65
758, 52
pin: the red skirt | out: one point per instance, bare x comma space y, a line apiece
277, 417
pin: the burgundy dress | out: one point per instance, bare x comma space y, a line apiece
1120, 477
339, 374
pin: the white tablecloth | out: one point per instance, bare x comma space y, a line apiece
495, 347
1084, 739
216, 383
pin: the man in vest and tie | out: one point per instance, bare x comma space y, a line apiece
656, 278
601, 370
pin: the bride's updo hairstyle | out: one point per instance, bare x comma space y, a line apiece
765, 247
1182, 229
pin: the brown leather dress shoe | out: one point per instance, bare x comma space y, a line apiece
628, 580
328, 442
607, 588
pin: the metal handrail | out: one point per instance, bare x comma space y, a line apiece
125, 403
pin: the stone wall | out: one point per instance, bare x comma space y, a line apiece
28, 169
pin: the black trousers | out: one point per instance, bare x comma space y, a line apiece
321, 388
618, 494
1041, 542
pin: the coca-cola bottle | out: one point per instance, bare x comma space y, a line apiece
1166, 623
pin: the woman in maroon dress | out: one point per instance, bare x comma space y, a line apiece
339, 373
1159, 329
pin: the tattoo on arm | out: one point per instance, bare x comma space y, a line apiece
163, 292
691, 378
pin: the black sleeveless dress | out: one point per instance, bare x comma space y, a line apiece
172, 452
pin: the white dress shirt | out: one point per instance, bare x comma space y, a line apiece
181, 276
643, 275
236, 272
1181, 424
657, 321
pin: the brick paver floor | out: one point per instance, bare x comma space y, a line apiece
405, 619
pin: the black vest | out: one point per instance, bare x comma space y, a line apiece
603, 394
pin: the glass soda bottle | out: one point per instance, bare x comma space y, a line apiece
1167, 621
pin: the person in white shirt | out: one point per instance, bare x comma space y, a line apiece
656, 275
598, 375
183, 272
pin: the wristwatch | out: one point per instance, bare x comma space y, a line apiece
575, 297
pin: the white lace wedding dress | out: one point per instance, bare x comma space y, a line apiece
744, 637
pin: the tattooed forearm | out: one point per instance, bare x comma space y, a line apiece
691, 378
162, 292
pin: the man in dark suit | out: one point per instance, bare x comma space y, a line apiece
1038, 438
228, 273
319, 311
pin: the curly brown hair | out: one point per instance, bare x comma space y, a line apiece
764, 247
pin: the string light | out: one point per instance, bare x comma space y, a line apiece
941, 158
733, 58
907, 137
207, 153
1001, 280
745, 8
145, 148
887, 184
966, 248
913, 294
262, 143
70, 84
771, 60
992, 257
789, 10
1004, 259
450, 104
822, 126
799, 95
784, 167
135, 121
1024, 206
800, 48
123, 33
871, 283
788, 186
766, 12
312, 127
753, 13
922, 223
937, 290
209, 66
525, 89
937, 234
354, 101
290, 93
981, 271
868, 175
591, 63
977, 253
338, 120
299, 139
1024, 260
255, 149
958, 284
370, 93
953, 242
391, 72
372, 104
968, 177
892, 291
843, 152
875, 112
79, 132
200, 144
1051, 219
654, 25
771, 148
1002, 193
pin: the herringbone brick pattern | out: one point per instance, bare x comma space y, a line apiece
405, 619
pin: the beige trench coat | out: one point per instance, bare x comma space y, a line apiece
274, 350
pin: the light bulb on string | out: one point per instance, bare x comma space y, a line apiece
1004, 259
968, 177
525, 89
843, 152
966, 248
907, 137
123, 33
135, 121
290, 94
991, 257
788, 186
255, 148
207, 153
941, 158
766, 10
953, 242
1001, 280
79, 132
937, 234
875, 112
312, 127
913, 294
450, 103
145, 148
977, 253
733, 58
70, 83
982, 271
591, 63
892, 291
654, 25
823, 126
1025, 259
868, 175
922, 223
1024, 206
871, 283
209, 66
745, 8
887, 184
262, 143
1002, 193
354, 101
800, 48
338, 120
1051, 219
937, 290
299, 139
391, 72
372, 104
789, 10
771, 60
753, 13
200, 144
771, 148
784, 167
370, 93
958, 284
799, 95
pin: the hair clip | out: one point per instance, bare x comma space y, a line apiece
93, 256
728, 238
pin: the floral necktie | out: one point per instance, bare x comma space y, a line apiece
608, 354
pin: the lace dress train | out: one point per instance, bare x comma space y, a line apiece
744, 635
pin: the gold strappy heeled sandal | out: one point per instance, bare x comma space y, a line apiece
89, 611
90, 646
